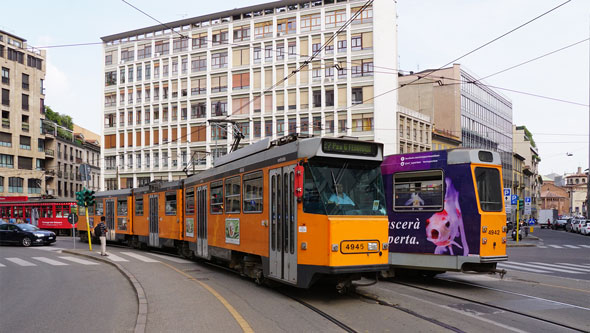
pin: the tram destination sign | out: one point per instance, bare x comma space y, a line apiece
349, 148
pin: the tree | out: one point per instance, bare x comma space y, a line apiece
62, 120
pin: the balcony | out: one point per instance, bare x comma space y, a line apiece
50, 173
49, 153
25, 127
78, 177
59, 173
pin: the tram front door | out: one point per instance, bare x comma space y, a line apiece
283, 224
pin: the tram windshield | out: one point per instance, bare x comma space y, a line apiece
343, 187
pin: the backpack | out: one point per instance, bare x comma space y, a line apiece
97, 232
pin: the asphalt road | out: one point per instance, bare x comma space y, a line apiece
42, 290
556, 252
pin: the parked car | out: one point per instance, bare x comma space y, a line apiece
578, 226
559, 224
25, 234
572, 225
585, 229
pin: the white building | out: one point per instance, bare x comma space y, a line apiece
163, 86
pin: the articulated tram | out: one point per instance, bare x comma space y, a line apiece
294, 210
446, 211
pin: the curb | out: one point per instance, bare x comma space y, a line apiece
521, 245
142, 302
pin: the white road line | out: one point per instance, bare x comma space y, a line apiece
177, 260
139, 257
581, 266
547, 268
542, 246
79, 261
556, 246
559, 266
46, 248
50, 261
572, 246
586, 246
114, 257
2, 265
522, 268
21, 262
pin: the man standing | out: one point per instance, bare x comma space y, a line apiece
102, 230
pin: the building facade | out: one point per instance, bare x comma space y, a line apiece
415, 133
524, 146
480, 116
555, 197
251, 66
22, 143
577, 186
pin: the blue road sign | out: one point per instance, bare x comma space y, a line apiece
507, 192
527, 199
513, 199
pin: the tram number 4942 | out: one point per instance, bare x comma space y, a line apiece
494, 232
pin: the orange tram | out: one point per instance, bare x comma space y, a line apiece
294, 210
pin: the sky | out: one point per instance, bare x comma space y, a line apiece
431, 33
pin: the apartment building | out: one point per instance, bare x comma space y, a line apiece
69, 150
162, 86
577, 187
415, 133
472, 114
22, 144
532, 181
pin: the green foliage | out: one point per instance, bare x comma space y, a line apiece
62, 120
529, 136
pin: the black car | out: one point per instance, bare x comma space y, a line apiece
25, 234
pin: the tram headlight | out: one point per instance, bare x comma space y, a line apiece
373, 246
503, 240
484, 240
334, 247
504, 228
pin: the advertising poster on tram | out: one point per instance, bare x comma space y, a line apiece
431, 206
232, 231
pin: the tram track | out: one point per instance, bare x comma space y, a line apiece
485, 304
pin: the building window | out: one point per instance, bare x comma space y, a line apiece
34, 186
5, 75
218, 83
362, 68
220, 37
25, 101
357, 96
286, 26
1, 184
257, 54
5, 138
268, 53
180, 44
341, 45
263, 29
329, 97
6, 161
162, 48
335, 18
199, 63
366, 16
362, 123
241, 81
5, 97
200, 41
241, 33
219, 108
198, 86
25, 142
219, 60
15, 185
110, 78
310, 22
317, 98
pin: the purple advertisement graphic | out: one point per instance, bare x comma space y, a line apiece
425, 220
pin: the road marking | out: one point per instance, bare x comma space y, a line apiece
522, 268
177, 260
139, 257
50, 261
114, 257
558, 266
79, 261
237, 316
586, 246
572, 246
548, 268
47, 248
565, 263
21, 262
2, 265
542, 246
556, 246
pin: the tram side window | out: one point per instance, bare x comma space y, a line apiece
90, 210
232, 195
58, 211
489, 189
18, 212
190, 200
216, 197
139, 206
253, 192
170, 203
418, 191
122, 207
99, 208
5, 212
66, 211
47, 212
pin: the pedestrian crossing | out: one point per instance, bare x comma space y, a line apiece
564, 246
120, 257
546, 268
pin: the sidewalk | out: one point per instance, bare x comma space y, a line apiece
528, 241
167, 299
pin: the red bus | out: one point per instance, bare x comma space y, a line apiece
52, 212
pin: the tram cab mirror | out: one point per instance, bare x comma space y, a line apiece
298, 188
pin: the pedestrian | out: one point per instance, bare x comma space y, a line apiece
102, 230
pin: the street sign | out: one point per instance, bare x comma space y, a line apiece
514, 199
527, 200
507, 192
73, 218
527, 205
507, 195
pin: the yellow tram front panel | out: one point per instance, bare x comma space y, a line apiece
493, 219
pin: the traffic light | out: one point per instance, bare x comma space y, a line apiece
90, 199
80, 198
520, 203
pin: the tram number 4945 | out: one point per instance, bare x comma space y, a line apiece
354, 246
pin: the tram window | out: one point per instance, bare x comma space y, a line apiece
190, 200
4, 212
139, 206
48, 211
90, 210
27, 212
81, 210
217, 197
18, 212
122, 207
170, 203
253, 192
57, 211
418, 191
489, 189
99, 208
232, 195
66, 211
